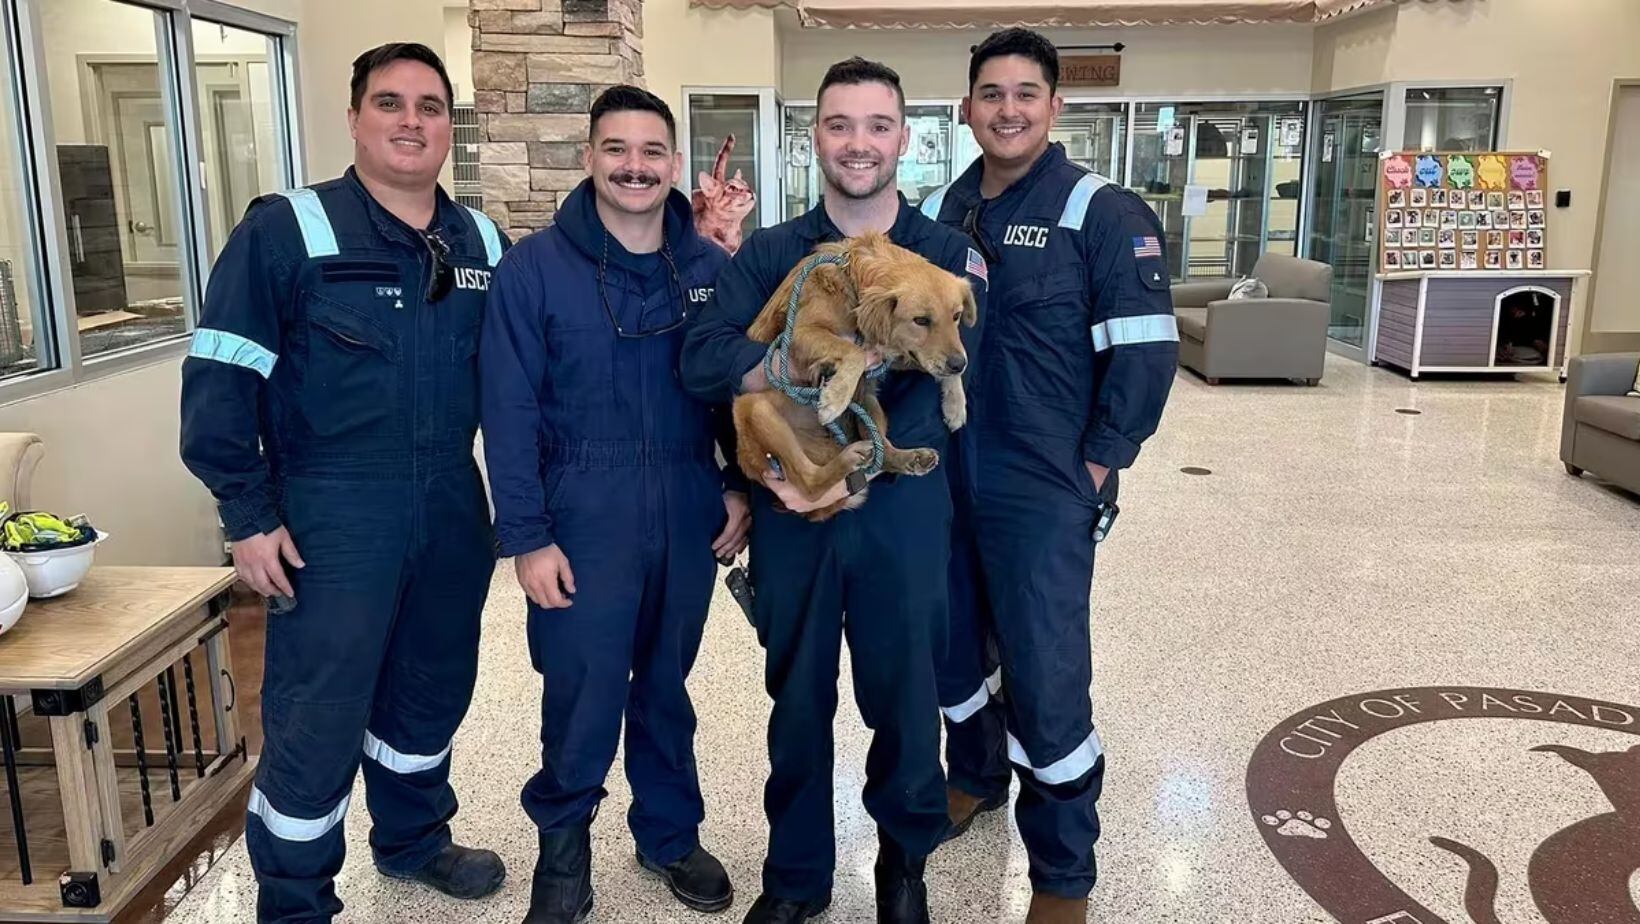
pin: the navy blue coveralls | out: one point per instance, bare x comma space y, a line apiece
592, 444
883, 565
1077, 363
323, 393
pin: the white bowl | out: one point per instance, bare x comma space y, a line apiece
55, 572
13, 594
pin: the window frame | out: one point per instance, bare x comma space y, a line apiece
22, 51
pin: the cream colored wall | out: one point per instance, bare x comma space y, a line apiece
111, 453
692, 46
1562, 57
458, 50
1186, 61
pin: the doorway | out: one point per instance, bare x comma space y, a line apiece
1344, 148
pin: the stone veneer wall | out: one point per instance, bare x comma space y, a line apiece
537, 65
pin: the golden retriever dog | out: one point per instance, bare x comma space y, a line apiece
885, 299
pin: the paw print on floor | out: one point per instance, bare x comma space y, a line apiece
1303, 824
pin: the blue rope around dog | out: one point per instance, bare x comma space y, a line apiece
809, 395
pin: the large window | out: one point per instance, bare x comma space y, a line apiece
140, 135
1452, 118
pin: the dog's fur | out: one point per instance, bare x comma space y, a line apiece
884, 298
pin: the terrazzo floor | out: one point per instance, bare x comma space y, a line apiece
1337, 548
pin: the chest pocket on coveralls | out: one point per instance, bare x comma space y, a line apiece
350, 386
1045, 336
581, 362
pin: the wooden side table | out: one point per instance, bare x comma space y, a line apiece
130, 775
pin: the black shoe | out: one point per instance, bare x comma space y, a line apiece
698, 880
770, 910
902, 896
459, 872
561, 889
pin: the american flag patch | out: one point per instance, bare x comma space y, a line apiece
976, 267
1147, 246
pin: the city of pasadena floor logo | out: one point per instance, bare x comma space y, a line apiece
1578, 875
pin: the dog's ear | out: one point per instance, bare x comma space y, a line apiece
874, 315
970, 308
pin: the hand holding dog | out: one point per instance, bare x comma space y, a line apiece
793, 499
546, 578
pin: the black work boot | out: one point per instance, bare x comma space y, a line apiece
902, 897
770, 910
698, 880
561, 890
459, 872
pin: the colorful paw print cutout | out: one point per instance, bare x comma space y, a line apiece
1523, 171
1429, 171
1397, 173
1492, 173
1460, 172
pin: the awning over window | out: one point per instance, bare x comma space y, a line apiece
989, 14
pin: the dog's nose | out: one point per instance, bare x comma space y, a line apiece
955, 364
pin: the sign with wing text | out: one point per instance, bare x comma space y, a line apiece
1090, 70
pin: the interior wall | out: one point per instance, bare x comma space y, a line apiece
111, 453
1184, 61
1563, 59
458, 51
693, 46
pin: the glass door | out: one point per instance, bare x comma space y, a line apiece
926, 164
712, 118
1244, 161
1347, 138
1095, 136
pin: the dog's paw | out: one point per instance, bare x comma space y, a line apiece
824, 372
920, 461
858, 454
834, 401
953, 404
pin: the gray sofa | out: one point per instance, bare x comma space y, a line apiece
1600, 431
1283, 336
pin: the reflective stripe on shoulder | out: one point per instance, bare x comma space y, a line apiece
490, 233
931, 206
1076, 207
289, 827
223, 347
317, 233
1145, 328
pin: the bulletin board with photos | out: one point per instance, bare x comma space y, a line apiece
1463, 211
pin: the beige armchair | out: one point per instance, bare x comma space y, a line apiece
1600, 431
1283, 336
20, 455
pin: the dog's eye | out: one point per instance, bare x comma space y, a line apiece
924, 321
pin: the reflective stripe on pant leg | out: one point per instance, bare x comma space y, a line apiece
291, 828
1064, 770
379, 751
963, 711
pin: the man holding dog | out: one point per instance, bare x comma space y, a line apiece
1079, 358
880, 564
609, 498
